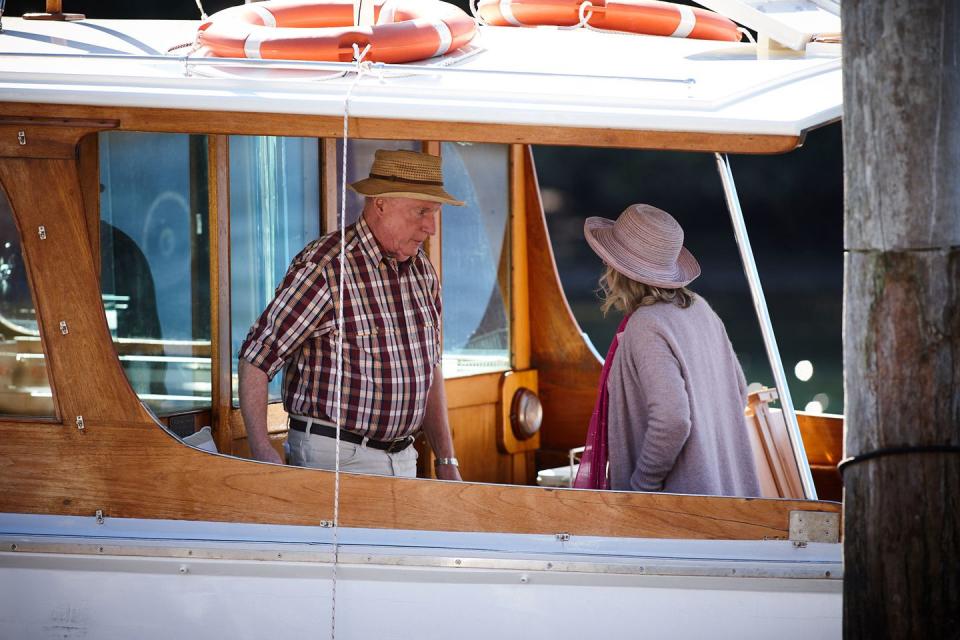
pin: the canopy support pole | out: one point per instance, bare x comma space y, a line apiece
766, 327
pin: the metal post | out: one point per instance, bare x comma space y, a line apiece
766, 327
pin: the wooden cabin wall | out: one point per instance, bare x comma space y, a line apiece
569, 370
121, 463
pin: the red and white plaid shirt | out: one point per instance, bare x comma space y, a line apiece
391, 338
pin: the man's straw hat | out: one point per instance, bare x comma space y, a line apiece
644, 244
405, 174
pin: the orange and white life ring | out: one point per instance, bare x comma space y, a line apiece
635, 16
403, 30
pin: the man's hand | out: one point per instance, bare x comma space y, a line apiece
447, 472
266, 454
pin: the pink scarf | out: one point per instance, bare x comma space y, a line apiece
593, 463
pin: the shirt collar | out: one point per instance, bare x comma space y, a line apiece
369, 245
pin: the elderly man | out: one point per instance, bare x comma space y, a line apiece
392, 385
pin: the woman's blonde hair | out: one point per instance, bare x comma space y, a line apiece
625, 294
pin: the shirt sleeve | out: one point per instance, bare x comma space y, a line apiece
298, 306
668, 413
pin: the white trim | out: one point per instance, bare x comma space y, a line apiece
446, 37
507, 12
688, 20
251, 46
269, 20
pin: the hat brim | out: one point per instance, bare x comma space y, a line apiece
400, 189
599, 234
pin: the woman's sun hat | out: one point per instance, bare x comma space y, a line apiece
644, 244
405, 174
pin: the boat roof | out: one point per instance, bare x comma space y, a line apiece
542, 76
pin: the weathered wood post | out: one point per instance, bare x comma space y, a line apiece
901, 65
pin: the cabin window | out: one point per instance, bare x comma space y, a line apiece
274, 213
155, 264
476, 259
359, 160
24, 384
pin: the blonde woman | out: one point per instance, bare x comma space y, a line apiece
672, 394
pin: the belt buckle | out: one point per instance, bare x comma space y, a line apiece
400, 445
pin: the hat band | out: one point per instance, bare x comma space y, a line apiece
435, 183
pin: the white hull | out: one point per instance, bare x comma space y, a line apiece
71, 578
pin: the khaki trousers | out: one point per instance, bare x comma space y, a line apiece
319, 452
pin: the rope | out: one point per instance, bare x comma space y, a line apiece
475, 12
746, 32
896, 451
203, 14
584, 20
362, 67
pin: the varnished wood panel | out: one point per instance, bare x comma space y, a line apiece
27, 136
222, 122
88, 164
137, 471
569, 371
520, 280
822, 437
221, 362
86, 375
469, 391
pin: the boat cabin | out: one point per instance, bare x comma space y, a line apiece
153, 198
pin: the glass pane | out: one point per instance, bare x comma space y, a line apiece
359, 161
155, 264
476, 259
274, 213
24, 385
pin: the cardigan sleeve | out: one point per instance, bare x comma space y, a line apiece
668, 422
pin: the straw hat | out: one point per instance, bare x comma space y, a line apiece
645, 244
406, 174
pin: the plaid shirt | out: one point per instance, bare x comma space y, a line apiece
391, 341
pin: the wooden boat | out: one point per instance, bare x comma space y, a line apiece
119, 159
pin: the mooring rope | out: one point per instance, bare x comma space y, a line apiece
362, 67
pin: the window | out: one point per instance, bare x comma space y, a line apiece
155, 264
24, 385
274, 213
476, 259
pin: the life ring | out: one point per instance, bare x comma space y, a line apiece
403, 30
648, 17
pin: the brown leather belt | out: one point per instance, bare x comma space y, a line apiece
319, 429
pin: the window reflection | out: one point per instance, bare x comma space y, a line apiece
476, 259
274, 213
24, 385
155, 264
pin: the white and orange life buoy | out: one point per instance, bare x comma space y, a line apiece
403, 30
635, 16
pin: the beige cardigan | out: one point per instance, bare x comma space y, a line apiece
677, 395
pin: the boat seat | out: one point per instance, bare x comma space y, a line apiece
202, 439
776, 467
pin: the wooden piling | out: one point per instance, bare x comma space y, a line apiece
901, 64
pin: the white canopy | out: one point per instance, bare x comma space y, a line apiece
523, 76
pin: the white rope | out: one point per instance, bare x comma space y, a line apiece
203, 14
362, 67
584, 20
746, 32
475, 12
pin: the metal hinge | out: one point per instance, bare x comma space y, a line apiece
80, 423
63, 327
99, 516
22, 137
43, 232
814, 526
562, 537
326, 524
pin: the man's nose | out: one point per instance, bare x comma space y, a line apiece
430, 224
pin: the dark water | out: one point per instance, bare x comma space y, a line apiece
793, 207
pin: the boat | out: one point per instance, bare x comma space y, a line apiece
152, 197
